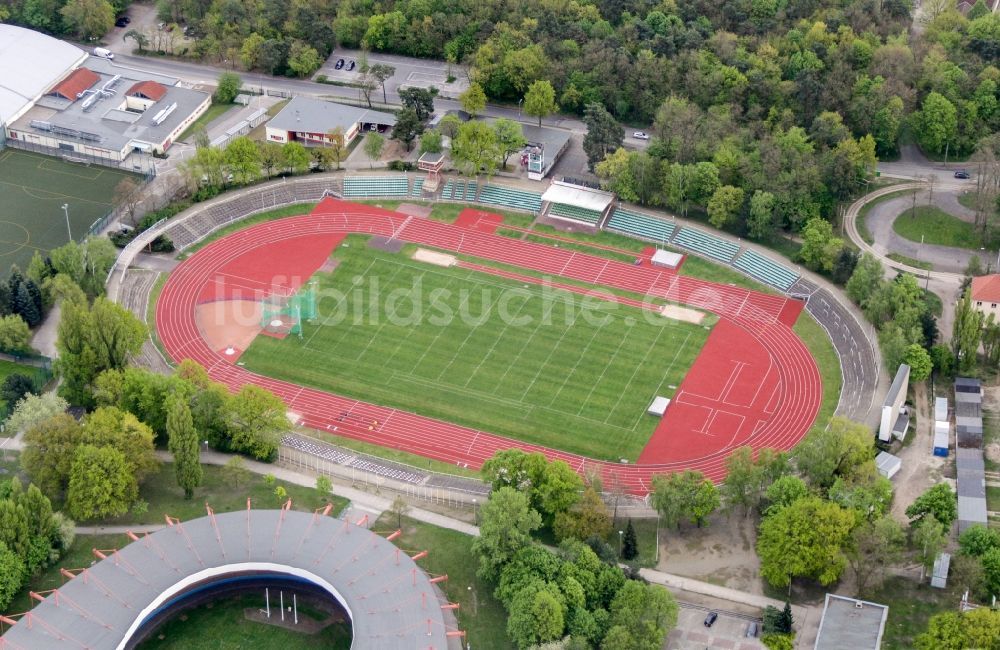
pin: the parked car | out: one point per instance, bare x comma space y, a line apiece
752, 630
962, 173
640, 135
121, 21
350, 65
339, 64
710, 619
103, 53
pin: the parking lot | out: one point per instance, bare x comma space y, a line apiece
728, 632
410, 72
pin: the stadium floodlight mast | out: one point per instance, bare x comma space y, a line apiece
66, 212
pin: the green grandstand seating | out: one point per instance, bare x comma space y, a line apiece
640, 225
376, 186
518, 199
575, 213
765, 270
702, 242
418, 187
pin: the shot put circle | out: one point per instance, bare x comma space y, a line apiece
277, 322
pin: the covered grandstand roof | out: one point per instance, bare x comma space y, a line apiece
579, 196
30, 63
391, 601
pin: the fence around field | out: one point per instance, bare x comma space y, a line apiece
144, 165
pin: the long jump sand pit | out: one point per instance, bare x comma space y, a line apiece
434, 257
677, 312
229, 326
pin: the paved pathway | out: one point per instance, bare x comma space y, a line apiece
881, 217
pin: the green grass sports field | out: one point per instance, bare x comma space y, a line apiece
517, 360
34, 188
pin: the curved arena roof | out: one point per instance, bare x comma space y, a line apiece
30, 63
391, 601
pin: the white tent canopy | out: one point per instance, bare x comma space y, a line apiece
578, 196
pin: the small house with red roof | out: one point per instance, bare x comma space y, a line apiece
986, 294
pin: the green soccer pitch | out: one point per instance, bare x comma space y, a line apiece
34, 188
578, 384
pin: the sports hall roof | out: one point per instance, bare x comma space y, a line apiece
390, 600
30, 63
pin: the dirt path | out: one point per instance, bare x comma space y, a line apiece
921, 469
721, 553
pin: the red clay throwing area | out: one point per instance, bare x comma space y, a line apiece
754, 383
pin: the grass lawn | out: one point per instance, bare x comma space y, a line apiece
481, 615
524, 361
822, 350
993, 498
33, 189
909, 261
160, 491
645, 536
448, 212
910, 607
937, 227
214, 111
968, 199
221, 625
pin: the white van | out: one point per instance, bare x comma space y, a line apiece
103, 53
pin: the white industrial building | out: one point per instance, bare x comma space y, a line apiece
56, 99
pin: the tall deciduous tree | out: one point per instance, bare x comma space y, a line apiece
588, 517
874, 546
843, 448
295, 156
938, 502
373, 145
92, 339
760, 222
473, 100
408, 126
506, 522
540, 101
967, 332
420, 100
510, 138
683, 496
381, 72
100, 484
724, 206
183, 444
475, 149
604, 134
804, 539
337, 145
88, 18
227, 88
937, 122
255, 419
243, 159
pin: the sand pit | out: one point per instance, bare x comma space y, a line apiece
414, 210
434, 257
684, 314
229, 326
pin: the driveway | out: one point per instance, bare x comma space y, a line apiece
143, 17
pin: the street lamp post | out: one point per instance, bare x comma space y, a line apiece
69, 232
475, 511
519, 107
620, 533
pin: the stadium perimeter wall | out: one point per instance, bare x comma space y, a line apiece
302, 190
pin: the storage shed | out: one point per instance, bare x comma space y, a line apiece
941, 409
888, 464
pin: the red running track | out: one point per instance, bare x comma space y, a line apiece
749, 321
